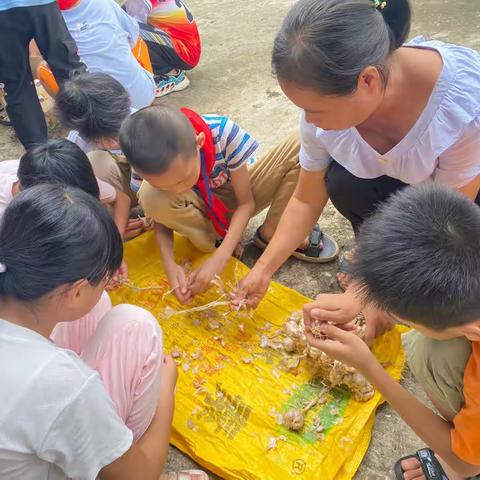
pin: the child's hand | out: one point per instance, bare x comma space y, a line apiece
119, 277
333, 308
200, 279
177, 280
169, 374
343, 346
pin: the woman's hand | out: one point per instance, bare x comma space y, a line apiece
343, 346
200, 279
252, 288
178, 281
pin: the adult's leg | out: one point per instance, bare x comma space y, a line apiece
183, 213
55, 42
126, 350
23, 106
357, 198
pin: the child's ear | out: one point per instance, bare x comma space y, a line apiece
200, 140
472, 331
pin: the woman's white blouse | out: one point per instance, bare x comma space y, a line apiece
443, 145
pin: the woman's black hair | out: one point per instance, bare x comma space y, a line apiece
60, 162
94, 104
326, 44
51, 235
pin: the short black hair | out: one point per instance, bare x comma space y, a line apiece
155, 136
94, 104
418, 257
57, 161
52, 235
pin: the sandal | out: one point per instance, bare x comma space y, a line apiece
321, 248
4, 118
430, 465
345, 268
185, 475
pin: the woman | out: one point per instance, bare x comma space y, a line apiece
378, 114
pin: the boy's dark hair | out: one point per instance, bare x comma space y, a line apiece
326, 44
51, 235
155, 136
418, 257
59, 162
94, 104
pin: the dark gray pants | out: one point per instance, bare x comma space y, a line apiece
18, 26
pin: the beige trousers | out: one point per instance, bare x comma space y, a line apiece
273, 179
439, 366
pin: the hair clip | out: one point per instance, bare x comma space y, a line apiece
379, 4
3, 267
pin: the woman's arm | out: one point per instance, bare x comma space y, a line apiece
300, 215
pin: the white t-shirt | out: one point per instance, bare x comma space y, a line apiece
443, 145
8, 176
105, 35
57, 420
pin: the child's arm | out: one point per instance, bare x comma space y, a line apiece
200, 279
430, 427
175, 273
121, 211
147, 457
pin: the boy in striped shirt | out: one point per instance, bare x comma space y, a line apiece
201, 180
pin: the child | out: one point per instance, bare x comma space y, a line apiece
107, 411
172, 37
61, 162
197, 183
105, 36
418, 260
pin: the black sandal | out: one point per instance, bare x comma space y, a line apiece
430, 465
321, 248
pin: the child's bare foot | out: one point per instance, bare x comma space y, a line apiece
414, 467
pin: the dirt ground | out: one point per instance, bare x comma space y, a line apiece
234, 78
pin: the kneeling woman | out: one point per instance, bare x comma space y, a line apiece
377, 114
107, 410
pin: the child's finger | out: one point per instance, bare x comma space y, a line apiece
334, 333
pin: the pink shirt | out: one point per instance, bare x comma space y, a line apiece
8, 176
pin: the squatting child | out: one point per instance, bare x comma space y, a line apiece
202, 181
417, 259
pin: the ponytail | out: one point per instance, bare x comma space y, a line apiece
325, 44
397, 15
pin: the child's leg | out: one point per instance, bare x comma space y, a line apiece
439, 366
75, 335
172, 37
126, 350
184, 213
274, 178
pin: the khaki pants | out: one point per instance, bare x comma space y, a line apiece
116, 172
273, 179
439, 366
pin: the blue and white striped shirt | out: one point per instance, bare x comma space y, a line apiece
233, 147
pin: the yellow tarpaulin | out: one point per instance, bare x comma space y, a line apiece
231, 391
